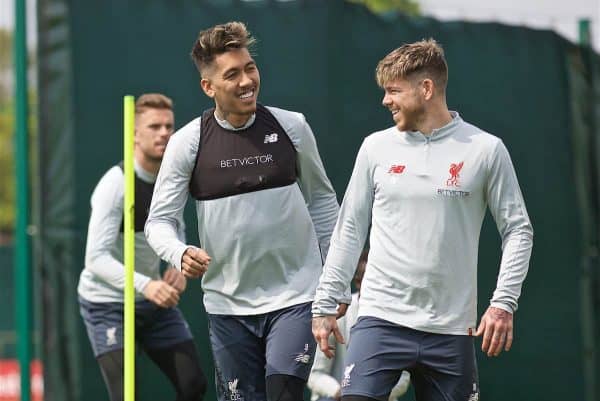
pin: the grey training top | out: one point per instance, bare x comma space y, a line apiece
266, 246
426, 197
103, 278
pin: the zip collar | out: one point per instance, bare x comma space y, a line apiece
437, 133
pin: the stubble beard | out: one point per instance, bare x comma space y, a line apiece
412, 118
152, 158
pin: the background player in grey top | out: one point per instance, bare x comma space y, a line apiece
161, 330
266, 210
423, 187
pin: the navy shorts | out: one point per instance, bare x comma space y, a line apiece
155, 327
247, 349
442, 367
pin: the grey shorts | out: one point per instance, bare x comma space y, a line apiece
247, 349
442, 367
155, 327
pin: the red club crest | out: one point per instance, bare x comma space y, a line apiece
454, 174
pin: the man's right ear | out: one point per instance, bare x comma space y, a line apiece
206, 86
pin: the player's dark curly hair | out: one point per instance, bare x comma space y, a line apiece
218, 40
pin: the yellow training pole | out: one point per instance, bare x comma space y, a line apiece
129, 248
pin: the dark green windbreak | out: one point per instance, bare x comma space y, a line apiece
529, 87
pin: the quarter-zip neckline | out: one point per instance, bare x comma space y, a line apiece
436, 133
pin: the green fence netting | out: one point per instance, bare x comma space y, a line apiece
57, 242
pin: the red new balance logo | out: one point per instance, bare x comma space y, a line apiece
396, 169
454, 170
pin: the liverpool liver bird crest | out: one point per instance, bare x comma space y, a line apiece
454, 170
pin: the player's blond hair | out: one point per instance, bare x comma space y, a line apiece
152, 101
218, 40
424, 59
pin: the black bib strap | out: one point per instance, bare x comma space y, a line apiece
143, 198
256, 158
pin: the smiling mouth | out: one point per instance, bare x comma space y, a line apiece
247, 95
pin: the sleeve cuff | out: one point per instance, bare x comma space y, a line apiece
140, 282
178, 255
346, 298
503, 306
328, 306
323, 311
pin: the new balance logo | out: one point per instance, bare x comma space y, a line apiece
271, 138
396, 169
303, 357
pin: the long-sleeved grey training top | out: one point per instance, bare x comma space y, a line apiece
267, 246
425, 197
103, 278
